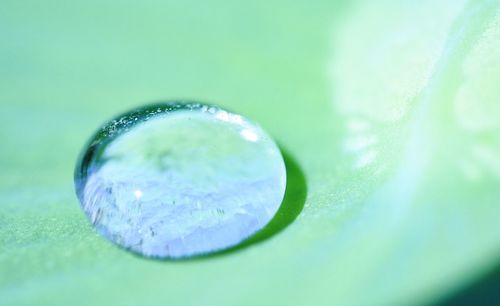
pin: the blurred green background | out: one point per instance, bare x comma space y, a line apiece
390, 108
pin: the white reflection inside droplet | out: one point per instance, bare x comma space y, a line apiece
249, 135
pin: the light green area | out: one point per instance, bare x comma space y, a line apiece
390, 107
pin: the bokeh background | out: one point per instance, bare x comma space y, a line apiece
390, 109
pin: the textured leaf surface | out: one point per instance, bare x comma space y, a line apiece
391, 108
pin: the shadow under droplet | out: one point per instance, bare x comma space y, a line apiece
291, 207
483, 291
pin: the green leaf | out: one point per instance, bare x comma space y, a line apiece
389, 108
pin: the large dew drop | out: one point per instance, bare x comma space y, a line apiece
175, 180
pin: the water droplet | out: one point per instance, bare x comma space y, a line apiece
176, 180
